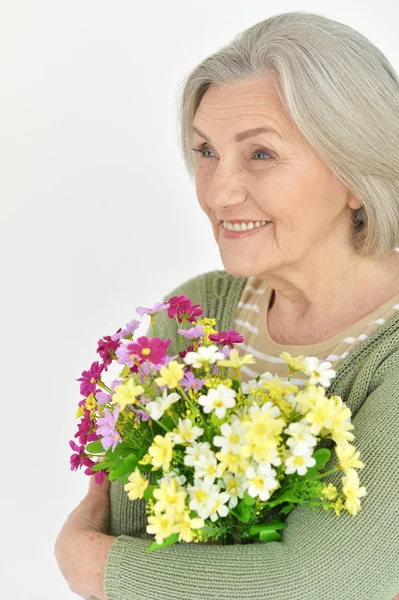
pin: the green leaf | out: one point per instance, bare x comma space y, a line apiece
287, 509
103, 465
95, 447
263, 527
149, 493
322, 456
242, 511
249, 500
269, 536
168, 422
172, 539
121, 450
289, 495
124, 479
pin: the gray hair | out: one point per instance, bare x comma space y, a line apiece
343, 95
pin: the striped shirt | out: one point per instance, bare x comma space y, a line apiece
251, 323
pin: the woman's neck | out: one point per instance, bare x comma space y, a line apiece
302, 323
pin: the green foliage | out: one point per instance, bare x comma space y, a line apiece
94, 447
125, 467
267, 532
172, 539
243, 511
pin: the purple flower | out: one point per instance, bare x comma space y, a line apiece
193, 333
130, 327
158, 306
108, 430
190, 382
102, 398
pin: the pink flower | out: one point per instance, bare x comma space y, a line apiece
89, 379
153, 349
226, 337
181, 306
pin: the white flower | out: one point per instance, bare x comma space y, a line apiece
233, 485
204, 355
274, 459
208, 468
171, 476
216, 503
218, 400
186, 433
319, 371
299, 459
300, 432
261, 483
193, 452
157, 407
252, 384
232, 438
291, 399
199, 494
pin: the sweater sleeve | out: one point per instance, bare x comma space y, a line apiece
321, 555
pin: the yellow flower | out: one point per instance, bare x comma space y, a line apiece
171, 374
348, 457
294, 363
170, 498
235, 362
90, 402
161, 525
319, 410
341, 426
126, 393
329, 491
234, 463
352, 491
207, 326
186, 525
161, 452
146, 460
338, 506
137, 486
80, 411
277, 388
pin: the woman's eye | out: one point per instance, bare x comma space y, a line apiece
203, 149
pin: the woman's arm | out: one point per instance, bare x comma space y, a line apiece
321, 555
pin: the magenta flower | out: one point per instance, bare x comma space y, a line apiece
153, 349
99, 476
226, 337
108, 429
106, 348
84, 428
193, 333
158, 306
183, 353
181, 306
89, 379
76, 459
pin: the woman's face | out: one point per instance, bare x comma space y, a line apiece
273, 177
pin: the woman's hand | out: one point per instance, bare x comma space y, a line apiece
82, 546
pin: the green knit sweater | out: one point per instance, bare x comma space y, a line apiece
321, 555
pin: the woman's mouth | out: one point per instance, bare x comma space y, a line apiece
252, 228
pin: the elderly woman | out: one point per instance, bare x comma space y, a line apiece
292, 134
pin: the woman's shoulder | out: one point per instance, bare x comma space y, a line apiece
209, 286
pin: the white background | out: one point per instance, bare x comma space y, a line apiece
98, 216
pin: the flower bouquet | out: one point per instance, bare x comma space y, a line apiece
216, 459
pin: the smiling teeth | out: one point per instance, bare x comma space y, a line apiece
243, 226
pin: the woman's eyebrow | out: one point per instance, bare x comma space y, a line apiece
243, 135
